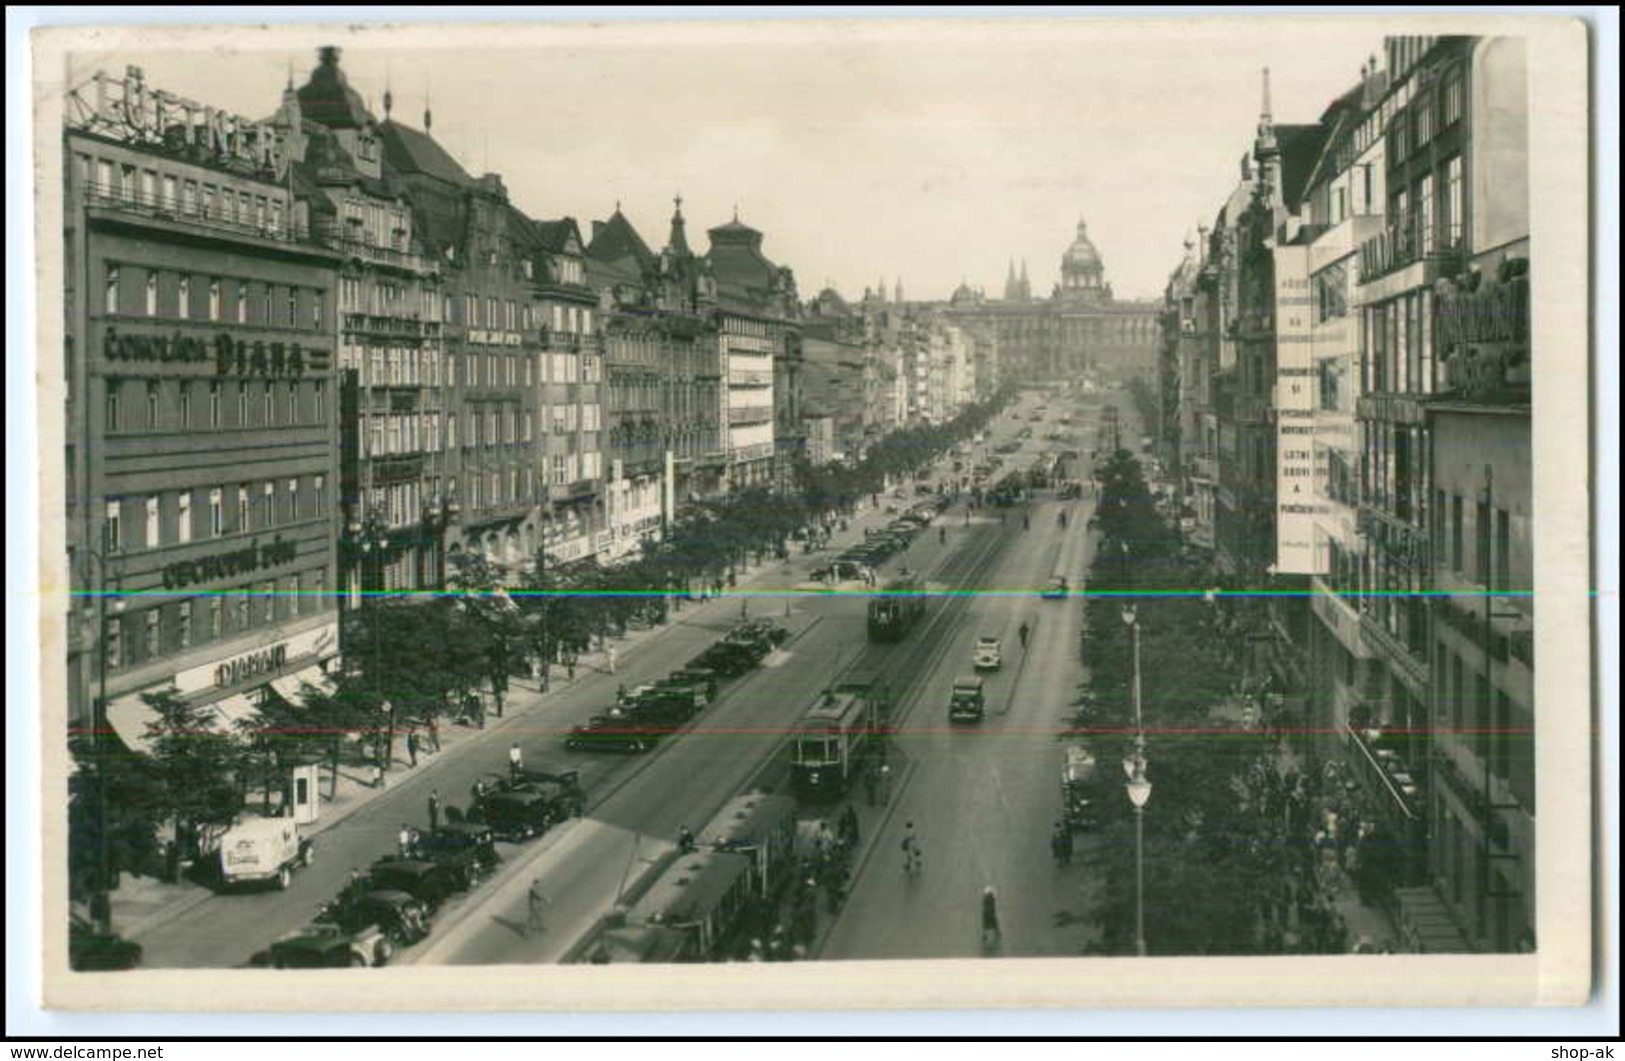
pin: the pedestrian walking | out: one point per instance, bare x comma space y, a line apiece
537, 903
377, 775
516, 759
570, 667
434, 732
403, 841
412, 747
476, 792
609, 657
885, 783
434, 811
870, 783
990, 915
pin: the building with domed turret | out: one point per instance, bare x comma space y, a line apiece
1079, 328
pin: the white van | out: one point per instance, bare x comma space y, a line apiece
263, 849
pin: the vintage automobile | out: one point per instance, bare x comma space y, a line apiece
728, 658
967, 702
1057, 589
465, 846
691, 697
263, 851
93, 951
704, 677
1070, 491
517, 814
430, 882
989, 654
611, 733
325, 945
402, 918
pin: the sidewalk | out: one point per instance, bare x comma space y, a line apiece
141, 905
1366, 925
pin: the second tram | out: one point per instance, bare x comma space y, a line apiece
896, 608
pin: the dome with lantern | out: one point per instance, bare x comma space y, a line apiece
1082, 271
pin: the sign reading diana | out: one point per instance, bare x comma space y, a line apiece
1295, 552
252, 557
231, 357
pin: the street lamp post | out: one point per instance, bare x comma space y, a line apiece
373, 537
101, 904
1138, 788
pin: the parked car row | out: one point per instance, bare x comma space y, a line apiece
388, 908
643, 716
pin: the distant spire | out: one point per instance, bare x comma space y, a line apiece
427, 118
290, 75
678, 241
1265, 145
389, 88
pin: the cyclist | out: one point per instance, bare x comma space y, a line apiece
1022, 632
990, 915
685, 840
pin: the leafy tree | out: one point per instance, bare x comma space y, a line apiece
113, 800
198, 768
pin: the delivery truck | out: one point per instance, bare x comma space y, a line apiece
259, 850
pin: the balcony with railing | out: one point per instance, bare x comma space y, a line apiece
391, 327
580, 489
750, 414
157, 206
399, 258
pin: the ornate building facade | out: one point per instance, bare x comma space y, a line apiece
1080, 328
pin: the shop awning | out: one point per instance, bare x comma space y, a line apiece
130, 718
291, 687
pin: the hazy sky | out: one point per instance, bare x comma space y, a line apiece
863, 150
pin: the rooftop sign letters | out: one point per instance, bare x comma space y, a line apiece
130, 111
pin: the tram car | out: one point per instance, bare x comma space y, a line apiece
831, 744
895, 610
699, 903
761, 826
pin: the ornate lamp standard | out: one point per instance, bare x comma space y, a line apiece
100, 902
1138, 788
372, 537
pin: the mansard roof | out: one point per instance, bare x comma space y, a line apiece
409, 151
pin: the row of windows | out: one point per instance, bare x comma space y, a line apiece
134, 291
1430, 214
138, 636
182, 516
180, 195
383, 365
1397, 345
184, 404
392, 366
1432, 111
497, 314
1497, 730
378, 297
1490, 562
